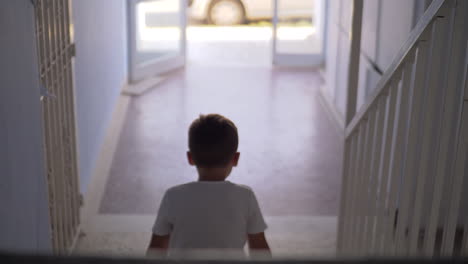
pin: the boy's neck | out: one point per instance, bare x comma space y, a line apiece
210, 179
212, 174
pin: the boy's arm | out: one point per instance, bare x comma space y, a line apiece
158, 246
255, 230
160, 243
258, 245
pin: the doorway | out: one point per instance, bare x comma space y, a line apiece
157, 37
165, 34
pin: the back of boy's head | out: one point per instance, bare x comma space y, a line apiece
213, 141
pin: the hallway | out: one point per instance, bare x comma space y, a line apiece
84, 165
290, 156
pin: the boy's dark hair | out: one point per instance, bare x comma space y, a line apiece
213, 141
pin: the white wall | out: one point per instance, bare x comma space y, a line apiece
331, 40
386, 25
24, 212
396, 22
100, 72
337, 55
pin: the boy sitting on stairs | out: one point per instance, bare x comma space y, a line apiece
211, 215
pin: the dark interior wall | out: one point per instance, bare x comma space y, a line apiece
24, 213
100, 72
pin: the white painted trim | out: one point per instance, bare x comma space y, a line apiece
140, 88
275, 28
157, 67
299, 60
329, 105
99, 178
323, 73
354, 57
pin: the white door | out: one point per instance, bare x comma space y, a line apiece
157, 37
298, 32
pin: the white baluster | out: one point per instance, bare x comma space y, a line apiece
346, 178
350, 192
357, 188
452, 107
376, 163
382, 218
428, 137
396, 164
364, 192
414, 128
461, 174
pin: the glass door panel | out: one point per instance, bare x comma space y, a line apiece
156, 37
298, 32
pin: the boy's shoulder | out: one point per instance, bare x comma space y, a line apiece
244, 187
179, 187
228, 184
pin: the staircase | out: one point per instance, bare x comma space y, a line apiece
405, 176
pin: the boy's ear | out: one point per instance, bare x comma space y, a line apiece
190, 158
235, 159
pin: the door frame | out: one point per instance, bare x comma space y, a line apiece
300, 60
159, 65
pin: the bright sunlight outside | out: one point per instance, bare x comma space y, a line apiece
227, 32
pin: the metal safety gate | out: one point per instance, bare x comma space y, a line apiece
55, 51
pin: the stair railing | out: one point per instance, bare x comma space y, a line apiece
400, 190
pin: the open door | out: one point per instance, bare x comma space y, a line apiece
157, 37
298, 42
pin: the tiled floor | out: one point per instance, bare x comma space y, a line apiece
290, 150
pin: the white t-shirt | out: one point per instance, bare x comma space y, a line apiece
209, 215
